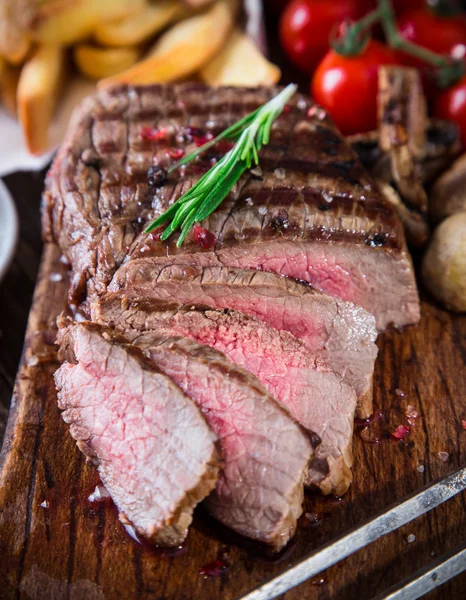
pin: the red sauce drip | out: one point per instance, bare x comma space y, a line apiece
372, 431
224, 146
200, 140
203, 237
377, 415
214, 568
156, 235
463, 423
151, 134
176, 153
400, 432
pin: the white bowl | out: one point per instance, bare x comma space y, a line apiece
8, 228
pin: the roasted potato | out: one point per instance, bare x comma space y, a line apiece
38, 88
141, 26
184, 49
96, 63
240, 62
444, 264
65, 24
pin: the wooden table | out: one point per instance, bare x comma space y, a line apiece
424, 366
18, 285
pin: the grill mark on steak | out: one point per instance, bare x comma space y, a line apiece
259, 491
153, 450
355, 215
317, 398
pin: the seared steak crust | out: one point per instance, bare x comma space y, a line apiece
311, 200
153, 450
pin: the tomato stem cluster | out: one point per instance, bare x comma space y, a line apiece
357, 35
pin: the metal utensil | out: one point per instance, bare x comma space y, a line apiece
408, 509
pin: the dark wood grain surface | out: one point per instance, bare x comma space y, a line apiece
71, 548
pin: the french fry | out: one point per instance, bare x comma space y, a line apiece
38, 87
68, 24
97, 63
184, 49
240, 62
139, 27
9, 87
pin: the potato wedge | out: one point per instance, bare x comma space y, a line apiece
72, 23
38, 88
184, 49
141, 26
9, 87
96, 63
240, 62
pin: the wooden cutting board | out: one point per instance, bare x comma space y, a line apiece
55, 543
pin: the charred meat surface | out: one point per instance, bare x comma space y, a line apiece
314, 395
266, 455
153, 449
403, 121
310, 212
341, 333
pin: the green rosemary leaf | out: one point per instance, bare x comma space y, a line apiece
250, 133
163, 218
221, 190
228, 134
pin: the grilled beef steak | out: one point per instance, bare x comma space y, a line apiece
317, 398
259, 491
153, 449
310, 212
339, 332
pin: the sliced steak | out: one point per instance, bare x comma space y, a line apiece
153, 449
341, 333
311, 212
317, 398
259, 491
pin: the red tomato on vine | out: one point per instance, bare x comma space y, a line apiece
451, 105
305, 27
443, 35
347, 86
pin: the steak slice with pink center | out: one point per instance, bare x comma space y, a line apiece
314, 395
153, 450
266, 454
341, 333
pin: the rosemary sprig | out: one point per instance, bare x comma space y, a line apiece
251, 133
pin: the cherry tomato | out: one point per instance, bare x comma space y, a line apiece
444, 35
451, 105
347, 86
305, 26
